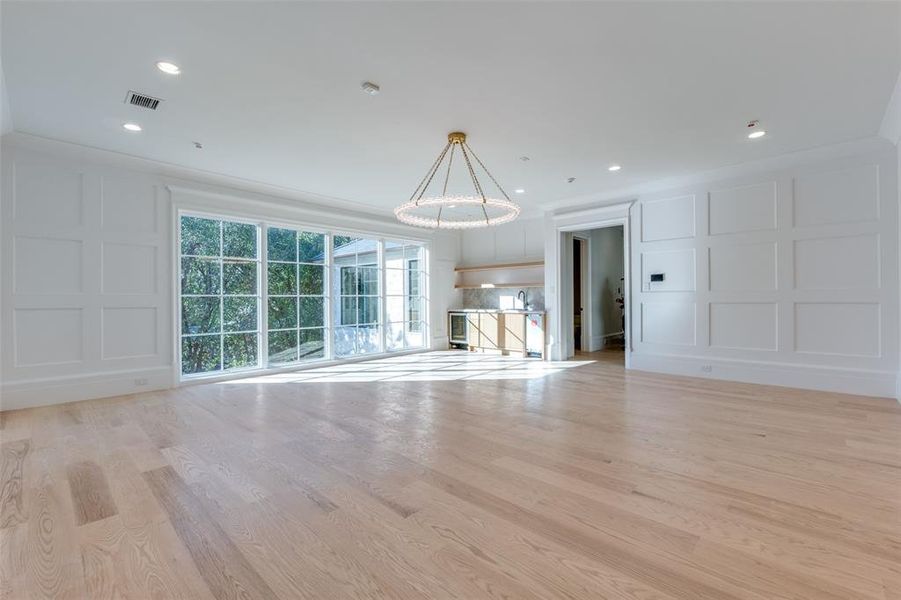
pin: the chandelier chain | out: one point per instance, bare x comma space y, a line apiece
429, 174
484, 168
472, 173
450, 161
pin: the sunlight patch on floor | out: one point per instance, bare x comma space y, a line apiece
448, 365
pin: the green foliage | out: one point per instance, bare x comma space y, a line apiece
282, 312
240, 350
282, 279
200, 237
239, 314
199, 276
311, 277
311, 247
311, 312
239, 240
200, 354
200, 315
239, 277
282, 244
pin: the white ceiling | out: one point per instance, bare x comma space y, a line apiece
273, 89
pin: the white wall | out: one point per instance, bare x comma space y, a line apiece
87, 267
788, 277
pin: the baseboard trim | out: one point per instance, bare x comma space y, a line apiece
59, 390
862, 382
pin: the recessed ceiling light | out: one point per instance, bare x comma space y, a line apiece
524, 158
520, 191
131, 126
614, 168
570, 179
757, 134
370, 88
168, 67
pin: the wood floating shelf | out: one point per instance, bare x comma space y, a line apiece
476, 286
519, 265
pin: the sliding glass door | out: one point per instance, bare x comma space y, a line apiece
324, 295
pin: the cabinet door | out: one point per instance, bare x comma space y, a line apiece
515, 333
472, 330
488, 330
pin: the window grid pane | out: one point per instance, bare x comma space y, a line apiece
219, 295
296, 302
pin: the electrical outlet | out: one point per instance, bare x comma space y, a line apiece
707, 368
140, 381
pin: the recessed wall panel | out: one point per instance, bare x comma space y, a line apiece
668, 323
745, 208
668, 219
48, 194
839, 263
129, 332
848, 329
47, 336
47, 266
128, 204
743, 267
843, 196
676, 266
129, 269
746, 326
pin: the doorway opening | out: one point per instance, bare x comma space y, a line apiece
597, 297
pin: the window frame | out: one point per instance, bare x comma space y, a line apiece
221, 296
263, 224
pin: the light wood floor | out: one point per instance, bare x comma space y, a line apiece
455, 476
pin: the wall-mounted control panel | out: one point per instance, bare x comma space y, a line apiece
656, 277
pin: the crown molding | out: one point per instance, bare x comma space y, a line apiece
18, 139
774, 163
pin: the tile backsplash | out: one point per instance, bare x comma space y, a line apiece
502, 298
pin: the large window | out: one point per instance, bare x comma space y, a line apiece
324, 295
219, 295
357, 311
404, 297
297, 299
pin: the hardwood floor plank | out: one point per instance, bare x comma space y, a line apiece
12, 511
90, 492
223, 567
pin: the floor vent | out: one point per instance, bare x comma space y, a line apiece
142, 100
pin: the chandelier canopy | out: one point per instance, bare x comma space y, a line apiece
456, 211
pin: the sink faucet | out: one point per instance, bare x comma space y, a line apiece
522, 296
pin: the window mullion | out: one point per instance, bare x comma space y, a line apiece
221, 296
263, 295
382, 297
331, 327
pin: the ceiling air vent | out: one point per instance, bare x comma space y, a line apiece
142, 100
